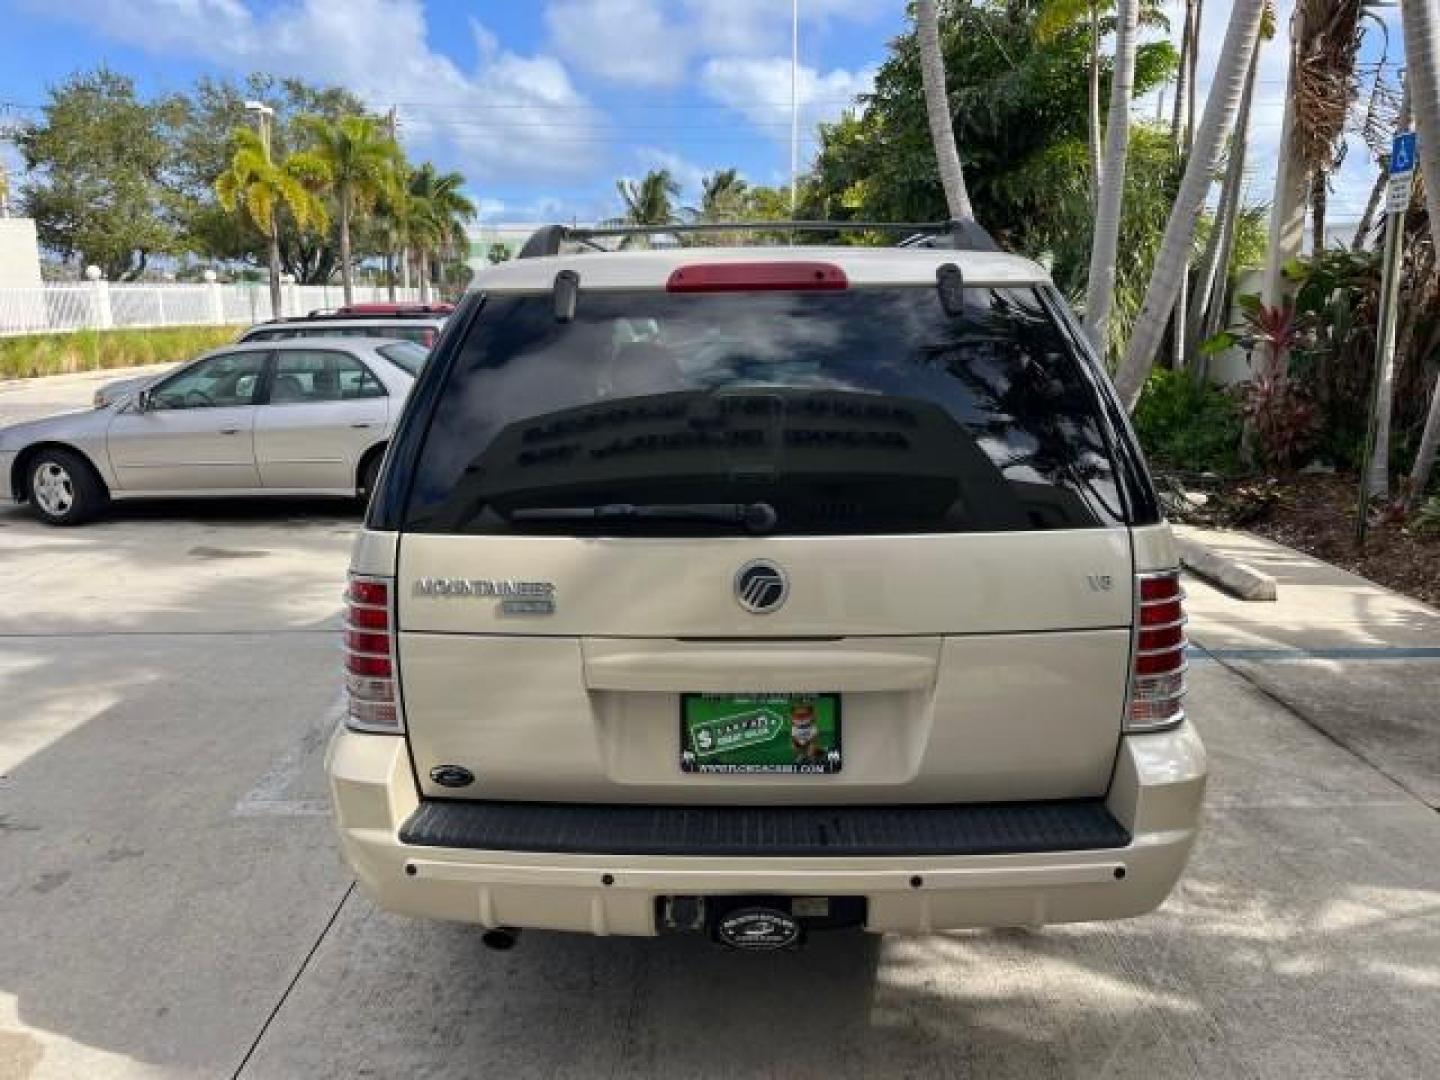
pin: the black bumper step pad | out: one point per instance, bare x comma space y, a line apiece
778, 831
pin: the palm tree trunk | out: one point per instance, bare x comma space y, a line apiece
1182, 76
1241, 39
1319, 199
1100, 291
273, 246
937, 108
1422, 62
1096, 166
1287, 208
1425, 455
1382, 177
1377, 484
1372, 204
1197, 9
1186, 133
422, 274
390, 274
405, 267
1208, 311
346, 281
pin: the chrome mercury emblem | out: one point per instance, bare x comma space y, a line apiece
761, 587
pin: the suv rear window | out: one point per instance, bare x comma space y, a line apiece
849, 412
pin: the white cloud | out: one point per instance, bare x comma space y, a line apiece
656, 43
493, 113
754, 27
759, 89
630, 41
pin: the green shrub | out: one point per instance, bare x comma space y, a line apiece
93, 350
1187, 425
1426, 521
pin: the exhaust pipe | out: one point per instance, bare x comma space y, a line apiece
501, 938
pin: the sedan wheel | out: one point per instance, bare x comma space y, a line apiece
64, 490
54, 490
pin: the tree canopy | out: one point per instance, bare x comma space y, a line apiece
96, 166
1019, 104
116, 180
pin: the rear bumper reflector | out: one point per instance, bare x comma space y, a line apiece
783, 831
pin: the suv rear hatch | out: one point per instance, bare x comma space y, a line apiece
643, 540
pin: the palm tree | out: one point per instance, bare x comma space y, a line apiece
392, 214
1382, 179
1100, 291
261, 187
1057, 17
937, 108
722, 195
439, 213
361, 157
1241, 39
1325, 92
1422, 62
1207, 315
650, 200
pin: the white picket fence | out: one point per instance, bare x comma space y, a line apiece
100, 305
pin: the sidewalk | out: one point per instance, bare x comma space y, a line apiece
1355, 660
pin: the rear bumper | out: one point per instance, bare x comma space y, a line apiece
1155, 797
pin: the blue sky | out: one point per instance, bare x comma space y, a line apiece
542, 104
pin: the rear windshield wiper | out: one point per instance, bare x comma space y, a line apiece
757, 517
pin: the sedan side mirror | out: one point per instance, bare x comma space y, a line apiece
142, 400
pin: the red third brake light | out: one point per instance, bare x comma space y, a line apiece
1157, 678
372, 703
757, 277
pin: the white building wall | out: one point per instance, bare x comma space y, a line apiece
19, 254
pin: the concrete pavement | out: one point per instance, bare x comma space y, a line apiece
1360, 662
174, 907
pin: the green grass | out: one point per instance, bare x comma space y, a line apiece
95, 350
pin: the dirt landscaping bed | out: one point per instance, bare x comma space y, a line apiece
1316, 515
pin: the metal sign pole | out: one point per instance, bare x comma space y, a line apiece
1397, 202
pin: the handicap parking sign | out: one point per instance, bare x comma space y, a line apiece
1402, 154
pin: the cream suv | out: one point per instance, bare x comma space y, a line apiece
761, 590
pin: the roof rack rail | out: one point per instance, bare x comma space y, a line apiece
430, 311
961, 235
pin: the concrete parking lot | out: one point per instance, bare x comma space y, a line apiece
173, 904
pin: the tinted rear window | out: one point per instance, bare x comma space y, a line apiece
862, 411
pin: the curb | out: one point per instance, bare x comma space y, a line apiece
1230, 576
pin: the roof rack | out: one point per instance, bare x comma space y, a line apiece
960, 235
320, 314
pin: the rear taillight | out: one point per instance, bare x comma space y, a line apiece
1157, 673
372, 701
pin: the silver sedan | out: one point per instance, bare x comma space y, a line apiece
262, 418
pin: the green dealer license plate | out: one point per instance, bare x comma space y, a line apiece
760, 733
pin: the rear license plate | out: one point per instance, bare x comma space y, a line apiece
760, 733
